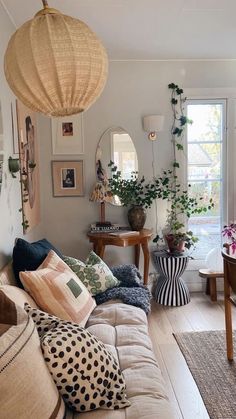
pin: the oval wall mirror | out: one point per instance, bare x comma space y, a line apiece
116, 145
1, 148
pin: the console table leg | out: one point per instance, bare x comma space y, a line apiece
100, 249
146, 256
136, 255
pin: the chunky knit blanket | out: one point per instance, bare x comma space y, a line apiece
130, 290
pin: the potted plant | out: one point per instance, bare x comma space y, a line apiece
182, 207
135, 193
229, 233
182, 204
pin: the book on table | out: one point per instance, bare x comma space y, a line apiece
124, 233
94, 228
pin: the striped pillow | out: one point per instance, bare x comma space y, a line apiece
58, 291
27, 388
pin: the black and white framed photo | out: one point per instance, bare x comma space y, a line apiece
67, 178
67, 135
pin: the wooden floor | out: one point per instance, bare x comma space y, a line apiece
199, 314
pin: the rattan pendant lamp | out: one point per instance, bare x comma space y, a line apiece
55, 64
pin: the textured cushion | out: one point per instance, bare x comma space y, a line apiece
19, 296
58, 291
124, 330
27, 389
28, 256
86, 374
94, 273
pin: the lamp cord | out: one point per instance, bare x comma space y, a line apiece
154, 175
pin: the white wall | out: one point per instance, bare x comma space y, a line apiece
133, 89
10, 201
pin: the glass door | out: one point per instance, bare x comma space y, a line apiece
206, 150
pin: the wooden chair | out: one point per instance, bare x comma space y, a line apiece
211, 278
229, 286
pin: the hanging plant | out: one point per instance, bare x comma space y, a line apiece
25, 192
180, 120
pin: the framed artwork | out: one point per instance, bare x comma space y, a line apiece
67, 178
29, 166
67, 135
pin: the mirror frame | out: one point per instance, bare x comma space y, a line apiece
115, 128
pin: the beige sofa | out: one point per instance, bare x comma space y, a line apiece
124, 330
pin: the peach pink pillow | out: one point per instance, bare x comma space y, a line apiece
58, 291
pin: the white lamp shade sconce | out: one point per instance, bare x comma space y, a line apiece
153, 124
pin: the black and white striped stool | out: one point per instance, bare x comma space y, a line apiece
171, 289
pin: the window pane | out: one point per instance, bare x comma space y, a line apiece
207, 190
204, 161
207, 122
208, 231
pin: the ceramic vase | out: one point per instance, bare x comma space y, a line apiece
137, 217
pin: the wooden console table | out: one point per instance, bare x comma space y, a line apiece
101, 240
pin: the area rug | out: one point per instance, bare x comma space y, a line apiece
205, 354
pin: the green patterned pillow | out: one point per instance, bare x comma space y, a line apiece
94, 273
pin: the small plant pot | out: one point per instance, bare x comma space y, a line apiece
172, 245
137, 217
14, 166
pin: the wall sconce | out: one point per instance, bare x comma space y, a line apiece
153, 124
14, 166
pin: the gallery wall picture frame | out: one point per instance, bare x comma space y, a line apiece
67, 135
68, 178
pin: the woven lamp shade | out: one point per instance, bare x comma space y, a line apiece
55, 64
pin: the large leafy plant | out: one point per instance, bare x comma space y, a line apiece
133, 191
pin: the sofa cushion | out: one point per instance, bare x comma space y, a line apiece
27, 388
94, 273
58, 291
124, 330
86, 374
18, 295
28, 256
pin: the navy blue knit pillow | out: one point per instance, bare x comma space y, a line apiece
28, 256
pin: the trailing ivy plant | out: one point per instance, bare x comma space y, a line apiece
182, 204
25, 193
180, 120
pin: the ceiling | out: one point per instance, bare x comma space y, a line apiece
149, 29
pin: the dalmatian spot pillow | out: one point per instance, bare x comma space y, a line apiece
85, 373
